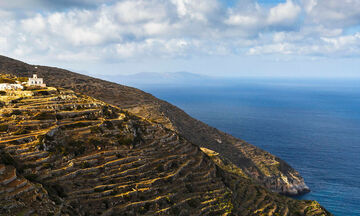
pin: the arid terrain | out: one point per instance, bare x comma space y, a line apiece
65, 153
257, 164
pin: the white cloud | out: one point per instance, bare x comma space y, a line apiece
179, 28
333, 13
284, 14
196, 9
34, 25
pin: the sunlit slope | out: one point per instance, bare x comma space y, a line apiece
67, 153
257, 164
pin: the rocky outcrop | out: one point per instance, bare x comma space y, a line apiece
86, 157
257, 164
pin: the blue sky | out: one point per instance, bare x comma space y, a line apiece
292, 38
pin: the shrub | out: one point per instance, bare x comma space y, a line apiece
31, 177
56, 189
15, 101
96, 130
193, 203
4, 127
189, 188
175, 210
21, 131
109, 112
76, 146
7, 80
76, 125
99, 189
44, 116
160, 168
22, 79
41, 138
113, 192
85, 165
7, 159
95, 142
125, 140
16, 112
144, 209
48, 165
43, 93
109, 125
58, 117
40, 146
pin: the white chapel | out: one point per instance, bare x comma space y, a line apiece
35, 81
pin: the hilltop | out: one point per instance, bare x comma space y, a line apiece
257, 164
65, 153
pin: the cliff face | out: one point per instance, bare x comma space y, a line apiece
257, 164
64, 153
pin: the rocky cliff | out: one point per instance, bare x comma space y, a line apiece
257, 164
65, 153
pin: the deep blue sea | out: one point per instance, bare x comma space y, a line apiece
314, 125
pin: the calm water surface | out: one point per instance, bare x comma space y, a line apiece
313, 125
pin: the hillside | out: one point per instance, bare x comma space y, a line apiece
65, 153
257, 164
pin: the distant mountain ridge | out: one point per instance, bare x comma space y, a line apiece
153, 78
254, 162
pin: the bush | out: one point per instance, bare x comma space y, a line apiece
6, 80
76, 146
4, 127
85, 165
109, 125
58, 117
43, 93
144, 209
193, 203
40, 146
7, 159
48, 165
189, 188
22, 79
76, 125
96, 130
99, 189
95, 142
15, 101
21, 131
31, 177
125, 140
44, 116
2, 92
16, 112
160, 168
109, 112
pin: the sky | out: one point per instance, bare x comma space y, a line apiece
291, 38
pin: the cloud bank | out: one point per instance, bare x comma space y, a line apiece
105, 31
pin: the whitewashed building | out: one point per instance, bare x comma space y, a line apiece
35, 81
8, 86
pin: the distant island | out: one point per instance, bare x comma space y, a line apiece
169, 78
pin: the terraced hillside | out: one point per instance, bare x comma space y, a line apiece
257, 164
64, 153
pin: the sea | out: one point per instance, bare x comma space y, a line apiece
313, 124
